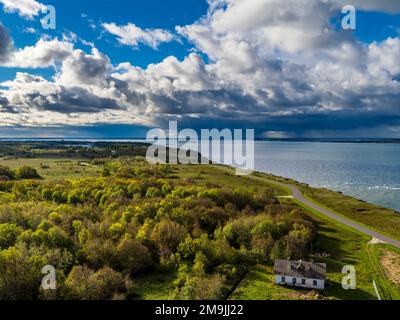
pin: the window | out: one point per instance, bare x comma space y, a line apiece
294, 280
315, 283
303, 281
283, 279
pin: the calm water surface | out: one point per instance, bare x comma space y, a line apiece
368, 171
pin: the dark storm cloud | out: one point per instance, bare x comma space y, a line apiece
71, 100
208, 102
5, 106
300, 125
6, 44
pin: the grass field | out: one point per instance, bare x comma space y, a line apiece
157, 286
55, 168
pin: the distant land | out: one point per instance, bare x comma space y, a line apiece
335, 140
125, 139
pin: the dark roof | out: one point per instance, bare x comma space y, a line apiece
300, 269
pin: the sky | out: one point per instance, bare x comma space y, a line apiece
117, 68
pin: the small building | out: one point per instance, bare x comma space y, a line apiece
300, 274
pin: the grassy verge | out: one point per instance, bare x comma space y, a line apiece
380, 219
55, 168
360, 221
157, 286
386, 288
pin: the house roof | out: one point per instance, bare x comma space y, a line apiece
300, 269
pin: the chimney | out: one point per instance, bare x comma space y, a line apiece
299, 267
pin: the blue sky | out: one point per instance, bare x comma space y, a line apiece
231, 64
78, 15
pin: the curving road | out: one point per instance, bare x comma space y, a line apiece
296, 193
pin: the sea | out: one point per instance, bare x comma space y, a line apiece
365, 170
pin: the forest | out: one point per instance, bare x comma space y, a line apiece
133, 219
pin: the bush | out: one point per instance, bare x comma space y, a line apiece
8, 234
202, 288
107, 283
19, 276
167, 235
153, 192
85, 284
27, 173
55, 218
132, 256
47, 194
105, 172
6, 173
74, 197
116, 230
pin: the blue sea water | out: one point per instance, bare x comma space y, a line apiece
368, 171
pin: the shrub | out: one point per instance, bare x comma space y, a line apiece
55, 218
167, 235
47, 194
116, 230
202, 288
8, 234
74, 197
85, 284
105, 172
6, 173
27, 173
153, 192
19, 276
132, 256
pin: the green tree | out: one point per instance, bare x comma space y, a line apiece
133, 256
20, 274
167, 235
84, 283
9, 233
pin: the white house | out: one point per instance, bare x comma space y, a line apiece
300, 274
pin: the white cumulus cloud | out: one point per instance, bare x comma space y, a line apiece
25, 8
131, 35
